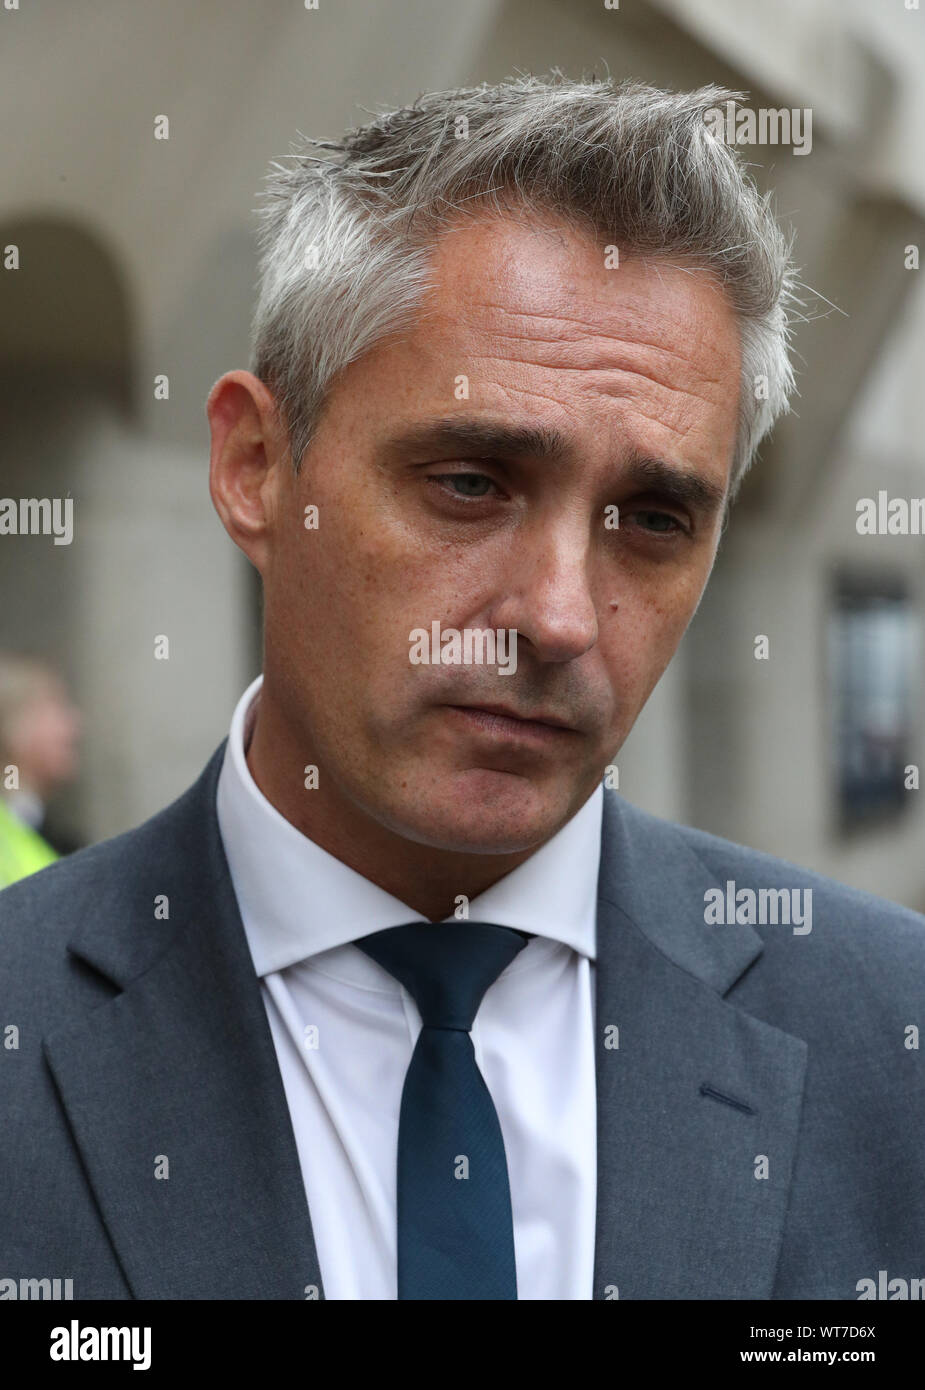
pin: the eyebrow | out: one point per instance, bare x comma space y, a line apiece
499, 439
676, 484
486, 437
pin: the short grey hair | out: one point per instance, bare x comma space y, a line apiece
345, 240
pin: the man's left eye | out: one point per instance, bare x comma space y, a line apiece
662, 522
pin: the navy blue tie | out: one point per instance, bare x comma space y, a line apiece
455, 1230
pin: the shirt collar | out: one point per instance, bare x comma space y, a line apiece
297, 900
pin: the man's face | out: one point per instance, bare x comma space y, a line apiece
634, 374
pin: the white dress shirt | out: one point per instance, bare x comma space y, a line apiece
344, 1030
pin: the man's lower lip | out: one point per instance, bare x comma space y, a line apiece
504, 726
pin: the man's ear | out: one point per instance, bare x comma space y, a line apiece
248, 458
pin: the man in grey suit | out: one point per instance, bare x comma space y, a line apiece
400, 998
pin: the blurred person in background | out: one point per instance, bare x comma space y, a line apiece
39, 730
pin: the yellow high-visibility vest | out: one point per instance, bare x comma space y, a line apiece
22, 849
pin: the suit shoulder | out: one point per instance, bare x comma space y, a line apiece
837, 908
843, 917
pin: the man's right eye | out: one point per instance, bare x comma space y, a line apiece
471, 484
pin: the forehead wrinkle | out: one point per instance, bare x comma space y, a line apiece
621, 370
639, 313
582, 341
680, 431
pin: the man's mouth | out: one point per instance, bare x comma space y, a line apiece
500, 721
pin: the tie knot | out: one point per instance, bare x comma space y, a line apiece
446, 967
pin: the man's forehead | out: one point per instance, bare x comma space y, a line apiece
654, 373
546, 295
503, 263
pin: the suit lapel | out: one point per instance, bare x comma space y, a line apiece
177, 1075
697, 1097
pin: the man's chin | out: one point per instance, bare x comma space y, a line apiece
484, 812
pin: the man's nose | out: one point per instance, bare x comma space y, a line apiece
548, 594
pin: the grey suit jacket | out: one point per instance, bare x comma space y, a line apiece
761, 1110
